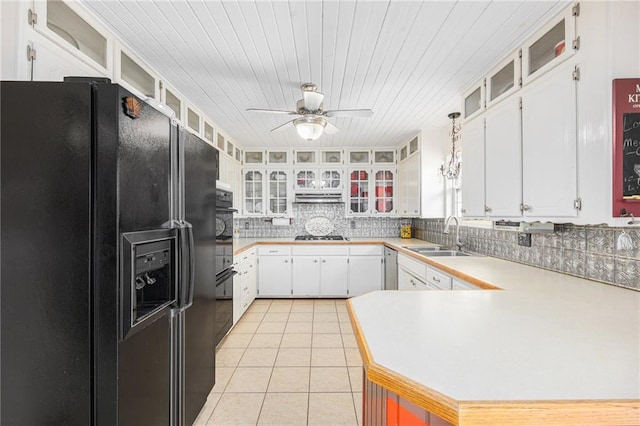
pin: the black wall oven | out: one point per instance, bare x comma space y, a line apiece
224, 262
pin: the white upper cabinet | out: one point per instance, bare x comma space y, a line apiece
331, 157
73, 30
549, 145
503, 159
173, 101
134, 76
305, 157
209, 132
409, 187
473, 102
550, 46
359, 157
473, 177
279, 157
253, 190
503, 80
194, 121
252, 157
278, 199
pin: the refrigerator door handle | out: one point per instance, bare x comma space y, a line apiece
190, 262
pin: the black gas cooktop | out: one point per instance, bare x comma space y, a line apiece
319, 238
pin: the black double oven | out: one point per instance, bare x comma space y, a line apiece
224, 262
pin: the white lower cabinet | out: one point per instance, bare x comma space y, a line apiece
306, 276
416, 275
366, 269
408, 281
244, 283
333, 276
319, 270
274, 271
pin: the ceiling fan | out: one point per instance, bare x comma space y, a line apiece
312, 120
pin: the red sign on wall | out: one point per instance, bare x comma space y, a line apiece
626, 147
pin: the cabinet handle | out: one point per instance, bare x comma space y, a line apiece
463, 210
286, 261
324, 261
525, 207
413, 283
315, 260
487, 209
273, 251
435, 279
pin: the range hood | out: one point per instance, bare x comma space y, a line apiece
319, 198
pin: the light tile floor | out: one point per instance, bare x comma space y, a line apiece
288, 362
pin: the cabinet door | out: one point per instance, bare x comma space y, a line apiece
549, 145
53, 63
305, 179
333, 276
384, 185
330, 180
278, 194
408, 185
253, 192
365, 274
473, 168
503, 160
306, 276
359, 197
274, 276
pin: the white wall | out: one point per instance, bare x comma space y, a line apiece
433, 152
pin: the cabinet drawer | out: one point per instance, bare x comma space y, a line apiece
274, 250
373, 250
320, 250
408, 281
438, 278
414, 266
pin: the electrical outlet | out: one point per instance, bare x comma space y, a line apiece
246, 225
353, 224
524, 240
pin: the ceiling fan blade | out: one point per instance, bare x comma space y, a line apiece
283, 126
348, 113
312, 100
330, 129
272, 111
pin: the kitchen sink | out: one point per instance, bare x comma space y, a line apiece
437, 251
442, 253
421, 249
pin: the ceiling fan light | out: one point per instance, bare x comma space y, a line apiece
309, 128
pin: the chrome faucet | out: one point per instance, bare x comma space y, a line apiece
446, 230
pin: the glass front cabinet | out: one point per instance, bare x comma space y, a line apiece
278, 200
322, 180
253, 182
372, 192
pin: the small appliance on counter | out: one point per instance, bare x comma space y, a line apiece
405, 231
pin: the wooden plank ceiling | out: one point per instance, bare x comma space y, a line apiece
408, 61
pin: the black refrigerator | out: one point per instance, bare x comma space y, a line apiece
107, 249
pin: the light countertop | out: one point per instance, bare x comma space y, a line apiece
548, 338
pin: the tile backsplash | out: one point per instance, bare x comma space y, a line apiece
347, 227
584, 251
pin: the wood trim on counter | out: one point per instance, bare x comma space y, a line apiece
492, 413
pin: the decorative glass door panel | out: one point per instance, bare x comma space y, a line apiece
359, 191
330, 179
384, 183
278, 192
306, 179
253, 192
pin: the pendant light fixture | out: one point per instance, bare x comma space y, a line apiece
452, 168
